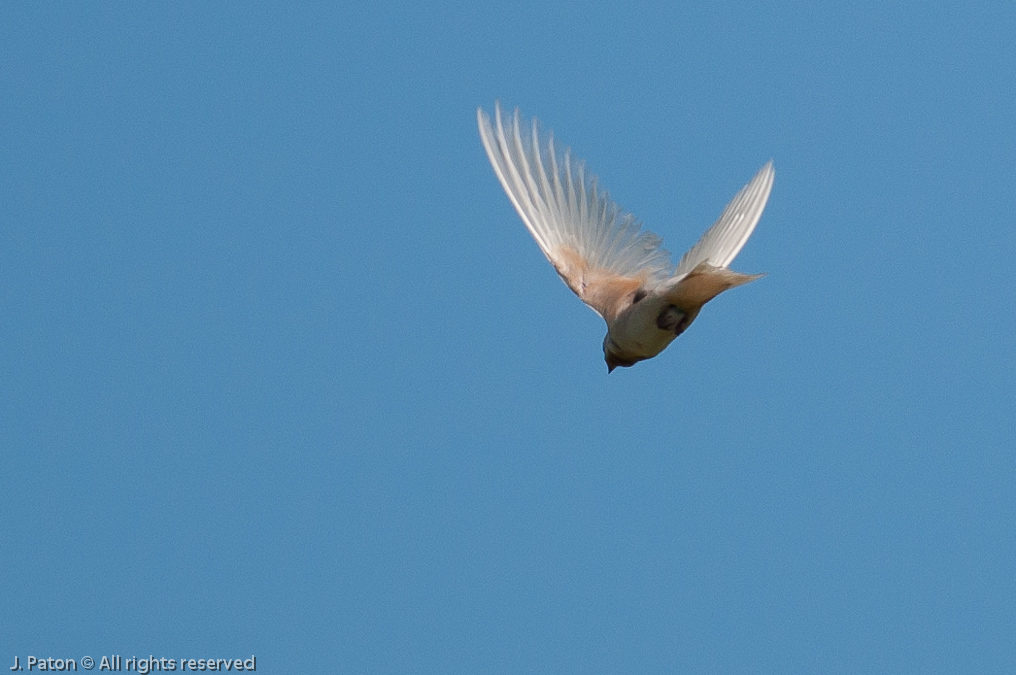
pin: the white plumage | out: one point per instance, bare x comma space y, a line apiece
601, 252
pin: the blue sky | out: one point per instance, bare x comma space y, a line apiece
283, 373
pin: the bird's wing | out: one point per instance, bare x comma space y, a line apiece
596, 247
723, 241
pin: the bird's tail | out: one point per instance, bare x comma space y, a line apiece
703, 284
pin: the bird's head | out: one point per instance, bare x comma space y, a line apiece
613, 359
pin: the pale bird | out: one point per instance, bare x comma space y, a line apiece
598, 249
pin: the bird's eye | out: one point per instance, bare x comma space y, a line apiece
639, 294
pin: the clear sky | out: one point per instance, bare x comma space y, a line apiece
283, 374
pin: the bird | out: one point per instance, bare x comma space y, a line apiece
602, 253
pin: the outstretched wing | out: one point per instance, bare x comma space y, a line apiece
596, 247
723, 241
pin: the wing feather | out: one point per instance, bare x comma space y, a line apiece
597, 248
724, 240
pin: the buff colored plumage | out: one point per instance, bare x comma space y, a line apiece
601, 252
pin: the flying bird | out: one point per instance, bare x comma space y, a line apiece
601, 252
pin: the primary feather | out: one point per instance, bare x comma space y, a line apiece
724, 240
564, 208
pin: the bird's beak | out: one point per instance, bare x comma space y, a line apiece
610, 368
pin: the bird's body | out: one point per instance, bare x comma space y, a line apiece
645, 328
600, 252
